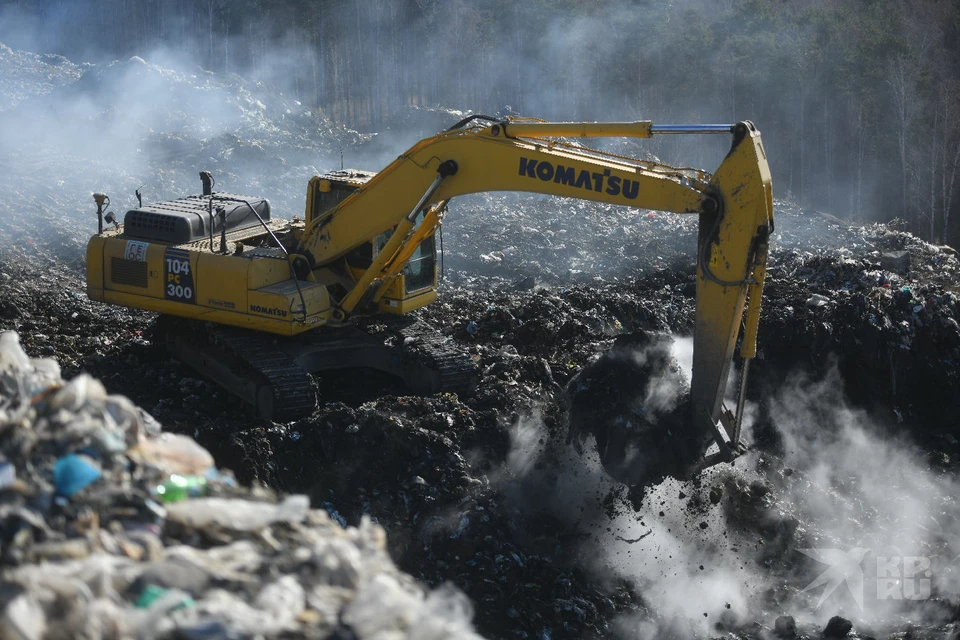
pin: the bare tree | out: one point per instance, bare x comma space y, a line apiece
904, 99
950, 103
860, 148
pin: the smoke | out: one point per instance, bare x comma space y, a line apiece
689, 61
867, 488
739, 544
67, 130
527, 442
665, 390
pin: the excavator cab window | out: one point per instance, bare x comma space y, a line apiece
332, 188
420, 271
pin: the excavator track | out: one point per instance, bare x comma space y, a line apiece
455, 370
289, 392
273, 373
247, 364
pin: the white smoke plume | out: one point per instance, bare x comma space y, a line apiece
861, 486
724, 551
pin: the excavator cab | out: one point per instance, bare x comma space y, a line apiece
416, 284
327, 191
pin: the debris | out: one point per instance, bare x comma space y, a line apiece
22, 617
716, 494
785, 627
101, 546
173, 453
896, 261
817, 300
177, 488
837, 627
635, 540
74, 472
237, 514
8, 475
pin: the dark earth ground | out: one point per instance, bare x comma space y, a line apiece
448, 477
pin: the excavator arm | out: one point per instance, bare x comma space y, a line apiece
506, 156
735, 206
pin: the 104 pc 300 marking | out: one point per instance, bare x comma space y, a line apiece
178, 276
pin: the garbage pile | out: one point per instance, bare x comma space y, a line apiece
455, 482
858, 352
548, 242
27, 75
877, 300
111, 528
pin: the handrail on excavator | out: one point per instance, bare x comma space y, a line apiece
638, 129
692, 128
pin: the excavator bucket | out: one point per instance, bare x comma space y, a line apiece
730, 273
637, 443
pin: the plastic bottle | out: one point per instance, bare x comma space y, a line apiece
177, 488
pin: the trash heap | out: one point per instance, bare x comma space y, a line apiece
439, 473
534, 288
111, 528
28, 75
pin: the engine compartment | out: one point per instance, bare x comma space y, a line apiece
195, 217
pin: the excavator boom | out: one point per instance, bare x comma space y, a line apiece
506, 156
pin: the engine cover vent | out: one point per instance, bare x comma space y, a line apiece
132, 273
188, 219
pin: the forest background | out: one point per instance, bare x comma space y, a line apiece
858, 100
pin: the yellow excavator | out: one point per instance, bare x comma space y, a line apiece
258, 303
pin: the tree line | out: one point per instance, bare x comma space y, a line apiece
858, 100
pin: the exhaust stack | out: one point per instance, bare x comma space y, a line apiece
207, 179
